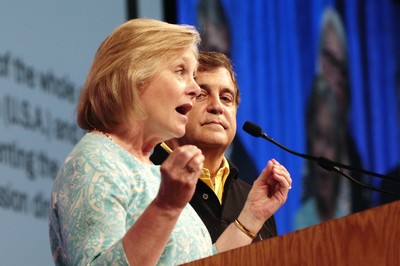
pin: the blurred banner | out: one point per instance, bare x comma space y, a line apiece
46, 48
319, 77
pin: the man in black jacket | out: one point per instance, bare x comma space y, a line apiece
220, 195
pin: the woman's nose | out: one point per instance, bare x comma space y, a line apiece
194, 89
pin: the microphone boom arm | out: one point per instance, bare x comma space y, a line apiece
329, 164
323, 162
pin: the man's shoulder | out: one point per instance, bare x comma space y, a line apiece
239, 185
235, 175
242, 183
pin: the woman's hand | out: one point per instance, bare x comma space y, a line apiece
268, 194
179, 175
147, 238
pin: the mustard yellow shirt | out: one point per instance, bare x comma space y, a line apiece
205, 175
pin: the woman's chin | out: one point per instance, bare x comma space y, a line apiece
179, 132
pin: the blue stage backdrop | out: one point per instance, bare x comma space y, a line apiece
274, 47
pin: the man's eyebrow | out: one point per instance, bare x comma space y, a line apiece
204, 86
229, 90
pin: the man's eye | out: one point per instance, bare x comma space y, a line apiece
227, 99
201, 96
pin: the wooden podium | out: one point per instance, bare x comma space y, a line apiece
371, 237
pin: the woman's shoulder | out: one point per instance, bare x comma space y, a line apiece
99, 150
95, 155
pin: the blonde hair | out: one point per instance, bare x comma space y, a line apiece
127, 60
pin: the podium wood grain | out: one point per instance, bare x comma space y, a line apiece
371, 237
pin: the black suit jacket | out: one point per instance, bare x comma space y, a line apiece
218, 216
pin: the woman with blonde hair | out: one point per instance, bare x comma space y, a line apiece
109, 203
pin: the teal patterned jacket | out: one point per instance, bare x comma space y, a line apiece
98, 194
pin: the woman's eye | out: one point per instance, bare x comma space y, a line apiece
180, 71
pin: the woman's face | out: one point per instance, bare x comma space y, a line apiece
169, 97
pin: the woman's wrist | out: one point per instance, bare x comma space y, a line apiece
166, 210
249, 221
244, 229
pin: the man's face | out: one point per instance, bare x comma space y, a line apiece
212, 120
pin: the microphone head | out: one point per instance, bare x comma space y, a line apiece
252, 129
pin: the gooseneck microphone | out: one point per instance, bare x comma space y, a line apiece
323, 162
256, 131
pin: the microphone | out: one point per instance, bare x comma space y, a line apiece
256, 131
329, 165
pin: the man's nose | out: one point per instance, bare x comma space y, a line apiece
215, 105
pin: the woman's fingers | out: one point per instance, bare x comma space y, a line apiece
179, 174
